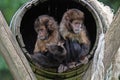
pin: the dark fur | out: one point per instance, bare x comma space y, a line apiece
52, 28
48, 53
77, 45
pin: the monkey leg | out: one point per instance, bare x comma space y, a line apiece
44, 61
62, 68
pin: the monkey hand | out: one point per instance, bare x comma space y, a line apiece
43, 49
85, 60
62, 68
61, 44
72, 65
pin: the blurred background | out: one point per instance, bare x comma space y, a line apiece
9, 7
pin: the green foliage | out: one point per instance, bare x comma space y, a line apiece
4, 71
9, 7
5, 75
114, 4
2, 65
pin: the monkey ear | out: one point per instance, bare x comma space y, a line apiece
67, 18
68, 25
83, 27
52, 25
60, 44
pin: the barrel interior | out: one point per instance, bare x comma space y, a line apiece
56, 9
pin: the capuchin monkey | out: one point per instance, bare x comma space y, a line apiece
49, 50
77, 43
47, 33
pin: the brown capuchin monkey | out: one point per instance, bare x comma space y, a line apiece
77, 43
47, 30
49, 50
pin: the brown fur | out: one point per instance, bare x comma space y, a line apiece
41, 45
70, 15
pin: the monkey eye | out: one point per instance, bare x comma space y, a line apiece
41, 29
37, 30
77, 23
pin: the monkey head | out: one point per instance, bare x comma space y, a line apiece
47, 32
73, 20
45, 26
58, 50
72, 26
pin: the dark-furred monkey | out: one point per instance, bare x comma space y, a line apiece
74, 33
49, 50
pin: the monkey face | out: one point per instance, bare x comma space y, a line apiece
42, 33
76, 26
45, 25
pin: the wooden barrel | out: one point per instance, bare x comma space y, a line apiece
23, 29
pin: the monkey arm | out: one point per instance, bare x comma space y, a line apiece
36, 49
44, 60
85, 50
75, 50
40, 47
58, 52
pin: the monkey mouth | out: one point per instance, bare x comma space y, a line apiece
41, 37
76, 31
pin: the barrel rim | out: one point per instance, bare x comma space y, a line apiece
17, 18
